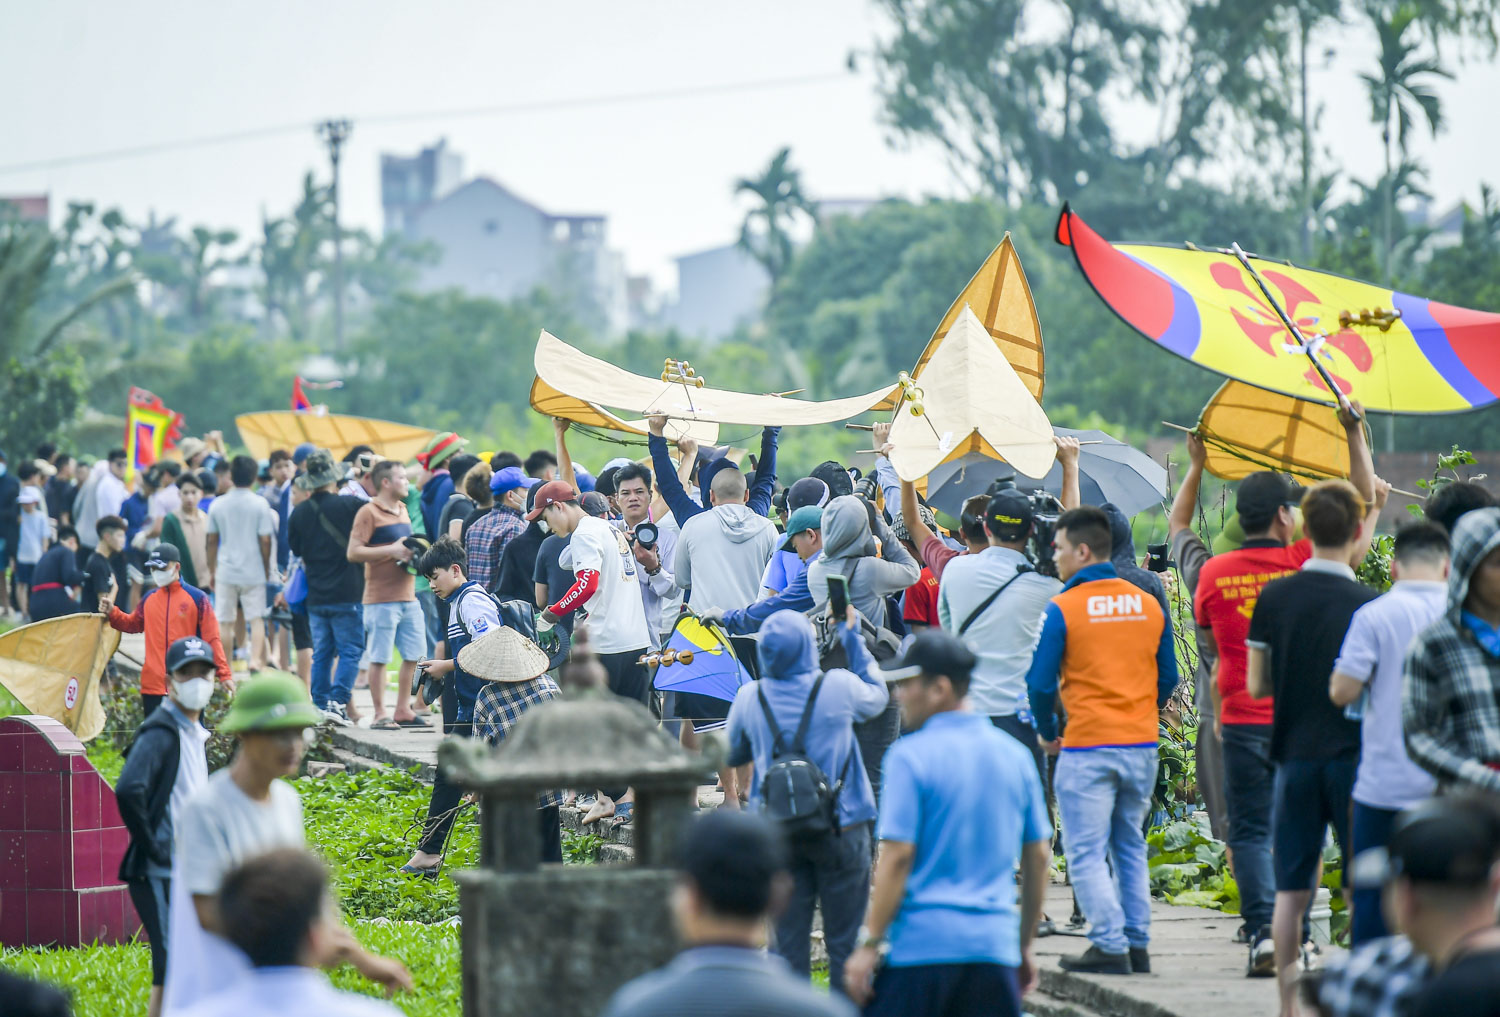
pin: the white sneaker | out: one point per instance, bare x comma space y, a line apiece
336, 713
1311, 958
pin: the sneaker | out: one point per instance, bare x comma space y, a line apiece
1244, 935
1262, 962
337, 714
1095, 961
1140, 960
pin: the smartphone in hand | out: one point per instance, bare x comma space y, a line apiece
838, 597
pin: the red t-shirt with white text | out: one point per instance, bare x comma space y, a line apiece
1228, 586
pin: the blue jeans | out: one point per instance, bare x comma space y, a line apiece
1249, 776
432, 625
1102, 798
1371, 828
337, 630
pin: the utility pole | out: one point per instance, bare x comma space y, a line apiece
334, 133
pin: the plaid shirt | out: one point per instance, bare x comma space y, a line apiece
500, 705
1449, 706
486, 541
1376, 979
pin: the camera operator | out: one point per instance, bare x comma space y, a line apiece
654, 544
994, 601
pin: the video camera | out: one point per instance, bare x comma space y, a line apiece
1045, 510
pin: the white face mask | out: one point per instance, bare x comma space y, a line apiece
193, 693
542, 524
163, 577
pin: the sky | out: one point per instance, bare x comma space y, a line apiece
90, 77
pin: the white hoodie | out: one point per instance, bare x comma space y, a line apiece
721, 556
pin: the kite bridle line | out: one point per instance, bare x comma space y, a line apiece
1309, 346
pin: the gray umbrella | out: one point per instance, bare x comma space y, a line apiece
1110, 471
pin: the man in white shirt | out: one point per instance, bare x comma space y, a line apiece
607, 588
244, 810
241, 532
660, 594
110, 492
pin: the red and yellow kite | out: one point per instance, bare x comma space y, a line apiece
1206, 307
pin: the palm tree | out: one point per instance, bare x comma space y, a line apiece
765, 233
1398, 92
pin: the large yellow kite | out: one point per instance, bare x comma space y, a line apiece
262, 433
1247, 429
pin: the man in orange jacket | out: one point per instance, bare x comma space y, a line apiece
171, 611
1106, 649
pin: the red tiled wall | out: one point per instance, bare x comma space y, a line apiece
61, 840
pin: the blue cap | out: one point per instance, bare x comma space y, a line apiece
302, 451
511, 478
584, 478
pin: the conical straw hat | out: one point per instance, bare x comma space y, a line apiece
503, 655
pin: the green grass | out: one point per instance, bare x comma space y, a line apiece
115, 980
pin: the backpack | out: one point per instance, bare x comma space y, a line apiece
883, 644
795, 791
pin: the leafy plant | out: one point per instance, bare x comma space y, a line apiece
1187, 866
581, 848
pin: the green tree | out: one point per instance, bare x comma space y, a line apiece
1022, 95
293, 262
1399, 91
766, 232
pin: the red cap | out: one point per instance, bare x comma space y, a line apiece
553, 492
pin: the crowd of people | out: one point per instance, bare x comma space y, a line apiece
925, 708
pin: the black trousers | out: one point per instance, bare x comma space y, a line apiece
443, 806
150, 897
149, 704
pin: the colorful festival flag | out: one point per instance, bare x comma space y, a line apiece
1394, 352
150, 430
300, 401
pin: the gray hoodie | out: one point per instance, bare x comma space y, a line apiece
721, 555
849, 550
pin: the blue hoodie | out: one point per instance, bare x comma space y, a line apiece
682, 505
789, 660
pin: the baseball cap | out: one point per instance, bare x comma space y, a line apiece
301, 452
595, 504
553, 492
1009, 515
29, 496
585, 479
163, 555
273, 701
616, 463
807, 491
509, 479
808, 517
1261, 494
835, 476
931, 651
1442, 842
188, 650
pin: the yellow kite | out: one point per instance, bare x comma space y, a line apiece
1248, 429
264, 432
53, 668
1001, 298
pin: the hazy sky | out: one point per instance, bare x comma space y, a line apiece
89, 77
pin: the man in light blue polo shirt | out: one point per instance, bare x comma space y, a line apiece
943, 914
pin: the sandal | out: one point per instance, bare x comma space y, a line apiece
624, 813
412, 870
384, 724
413, 723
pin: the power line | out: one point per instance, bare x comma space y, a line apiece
537, 106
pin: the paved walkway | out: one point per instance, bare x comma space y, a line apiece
1197, 970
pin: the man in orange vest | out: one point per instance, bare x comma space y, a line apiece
1106, 648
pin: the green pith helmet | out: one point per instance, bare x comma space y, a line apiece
274, 701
